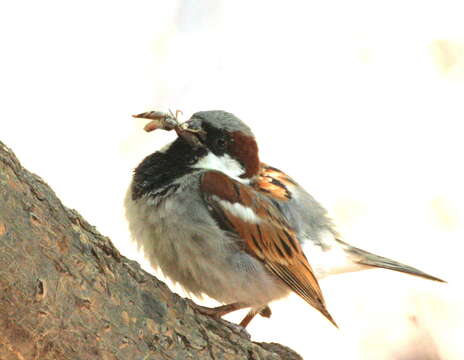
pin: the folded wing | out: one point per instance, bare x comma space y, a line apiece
265, 234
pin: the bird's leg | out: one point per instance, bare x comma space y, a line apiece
246, 320
264, 312
220, 311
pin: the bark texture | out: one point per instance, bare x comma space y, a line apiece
67, 293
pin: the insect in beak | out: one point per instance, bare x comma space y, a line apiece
169, 121
159, 120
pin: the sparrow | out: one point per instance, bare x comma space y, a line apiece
219, 222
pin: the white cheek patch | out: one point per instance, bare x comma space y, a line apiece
242, 212
224, 164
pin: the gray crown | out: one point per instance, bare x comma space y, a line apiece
222, 120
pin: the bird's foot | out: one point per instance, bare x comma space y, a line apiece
219, 311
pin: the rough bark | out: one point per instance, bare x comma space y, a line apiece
67, 293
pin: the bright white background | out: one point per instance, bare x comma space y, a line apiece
360, 101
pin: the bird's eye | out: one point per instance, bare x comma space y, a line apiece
220, 143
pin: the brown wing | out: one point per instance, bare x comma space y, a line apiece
273, 182
265, 233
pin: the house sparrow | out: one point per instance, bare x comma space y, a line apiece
218, 221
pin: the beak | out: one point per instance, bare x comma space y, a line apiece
191, 133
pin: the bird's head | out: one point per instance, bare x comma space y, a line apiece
218, 140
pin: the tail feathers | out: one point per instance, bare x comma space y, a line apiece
366, 258
328, 316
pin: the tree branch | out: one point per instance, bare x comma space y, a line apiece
67, 293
